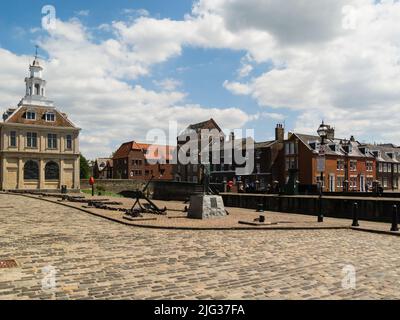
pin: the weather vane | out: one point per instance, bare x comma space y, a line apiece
36, 53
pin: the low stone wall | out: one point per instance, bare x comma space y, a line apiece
178, 191
337, 207
158, 190
115, 186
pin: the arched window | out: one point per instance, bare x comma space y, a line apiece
52, 171
31, 170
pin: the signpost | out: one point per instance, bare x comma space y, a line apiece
321, 163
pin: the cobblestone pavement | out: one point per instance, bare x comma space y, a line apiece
176, 217
97, 259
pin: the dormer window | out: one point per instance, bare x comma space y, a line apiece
390, 155
30, 115
348, 148
334, 147
50, 117
315, 145
377, 154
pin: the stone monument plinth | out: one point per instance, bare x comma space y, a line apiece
206, 206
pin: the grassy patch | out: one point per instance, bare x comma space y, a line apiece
102, 193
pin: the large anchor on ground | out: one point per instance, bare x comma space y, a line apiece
149, 207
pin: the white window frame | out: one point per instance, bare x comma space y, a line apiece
339, 181
351, 165
11, 138
30, 138
54, 141
29, 114
50, 114
67, 139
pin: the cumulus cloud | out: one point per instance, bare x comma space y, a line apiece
83, 13
340, 64
245, 70
237, 88
338, 60
90, 81
291, 21
168, 84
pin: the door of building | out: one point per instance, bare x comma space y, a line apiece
362, 183
331, 183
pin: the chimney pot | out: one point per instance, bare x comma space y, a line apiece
279, 133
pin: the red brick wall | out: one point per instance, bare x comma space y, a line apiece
307, 165
150, 169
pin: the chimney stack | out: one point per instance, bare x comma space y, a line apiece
331, 133
279, 133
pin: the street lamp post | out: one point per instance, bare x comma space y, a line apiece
346, 166
323, 133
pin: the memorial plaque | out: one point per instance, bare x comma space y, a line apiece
214, 203
206, 207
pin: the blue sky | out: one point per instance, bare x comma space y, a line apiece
204, 72
186, 64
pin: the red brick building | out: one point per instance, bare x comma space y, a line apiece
387, 165
349, 166
137, 161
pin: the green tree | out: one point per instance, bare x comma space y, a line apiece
85, 168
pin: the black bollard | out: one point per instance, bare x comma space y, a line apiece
355, 215
395, 220
260, 207
262, 219
320, 213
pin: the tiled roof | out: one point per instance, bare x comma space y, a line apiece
265, 144
209, 124
18, 116
384, 150
340, 151
161, 151
123, 150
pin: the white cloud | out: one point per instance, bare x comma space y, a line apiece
136, 12
83, 13
327, 60
290, 22
90, 82
341, 63
168, 84
237, 88
245, 70
273, 116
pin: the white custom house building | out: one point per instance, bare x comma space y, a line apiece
39, 146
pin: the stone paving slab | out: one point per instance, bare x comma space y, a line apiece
94, 258
177, 219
